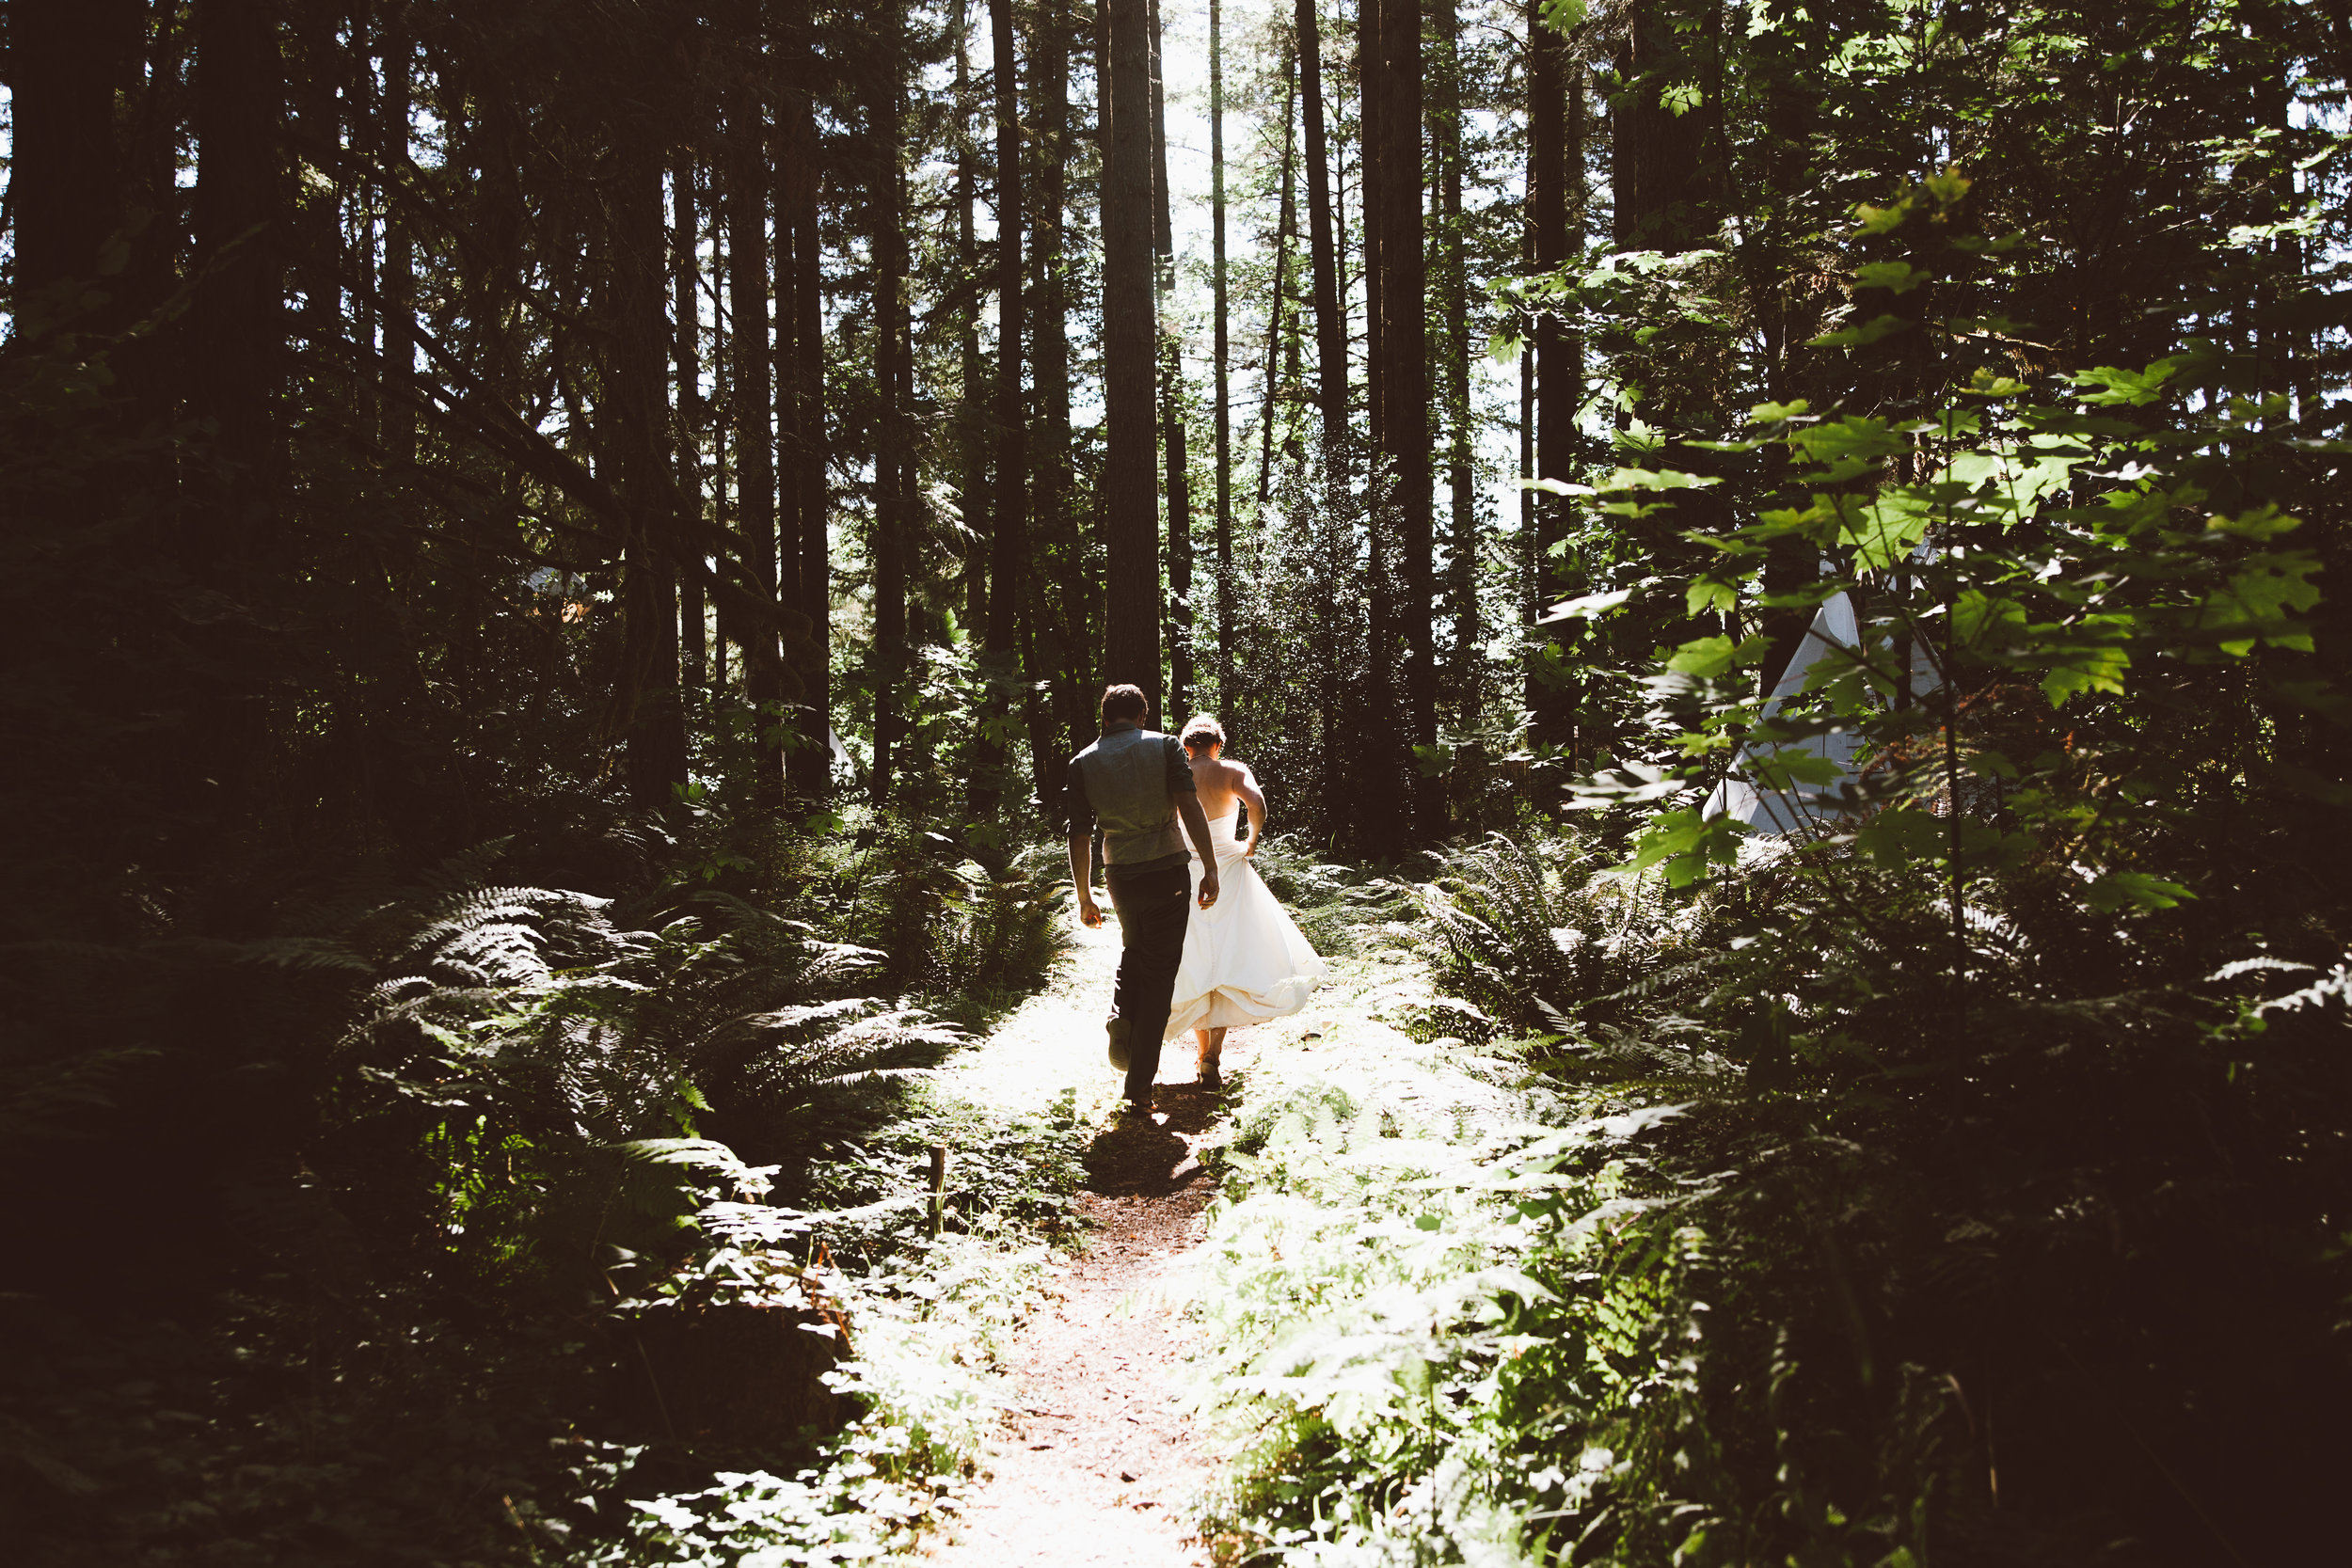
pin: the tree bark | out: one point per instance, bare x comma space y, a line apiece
236, 333
1462, 536
1064, 720
1002, 639
1172, 434
751, 357
236, 350
893, 456
972, 417
1056, 529
1330, 325
1372, 83
1133, 601
1223, 346
646, 703
785, 347
809, 767
67, 181
723, 454
1661, 176
1008, 539
686, 308
1529, 583
1555, 235
1404, 581
1286, 217
397, 289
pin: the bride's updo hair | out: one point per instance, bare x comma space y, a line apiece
1202, 732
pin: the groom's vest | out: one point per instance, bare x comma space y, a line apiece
1130, 780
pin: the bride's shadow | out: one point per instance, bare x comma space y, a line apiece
1152, 1158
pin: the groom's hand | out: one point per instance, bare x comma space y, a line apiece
1208, 887
1082, 877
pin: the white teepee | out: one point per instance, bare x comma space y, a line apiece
1808, 807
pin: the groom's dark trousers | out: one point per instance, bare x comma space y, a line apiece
1153, 907
1129, 782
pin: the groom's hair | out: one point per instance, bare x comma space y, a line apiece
1125, 702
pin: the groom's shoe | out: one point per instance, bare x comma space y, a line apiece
1117, 1029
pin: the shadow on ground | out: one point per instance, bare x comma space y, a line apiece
1136, 1158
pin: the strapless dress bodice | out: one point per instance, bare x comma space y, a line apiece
1221, 836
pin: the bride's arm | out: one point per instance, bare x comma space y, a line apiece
1247, 789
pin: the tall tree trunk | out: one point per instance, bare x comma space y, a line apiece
1371, 81
972, 419
1529, 584
784, 351
646, 703
234, 325
1172, 434
1001, 633
750, 358
1223, 348
66, 188
1330, 325
1661, 177
1555, 182
809, 767
1285, 220
1664, 186
1008, 538
1404, 589
397, 289
1074, 661
1133, 602
1462, 539
1375, 809
686, 308
893, 457
722, 465
236, 344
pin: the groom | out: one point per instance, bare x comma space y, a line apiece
1136, 783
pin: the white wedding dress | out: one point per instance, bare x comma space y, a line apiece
1245, 960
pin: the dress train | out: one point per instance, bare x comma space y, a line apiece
1244, 960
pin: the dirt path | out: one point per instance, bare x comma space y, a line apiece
1096, 1465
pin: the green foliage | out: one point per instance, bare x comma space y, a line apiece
1527, 928
1342, 910
2007, 545
1817, 1264
517, 1094
929, 1322
1365, 1294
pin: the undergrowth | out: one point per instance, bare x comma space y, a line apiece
1807, 1276
573, 1165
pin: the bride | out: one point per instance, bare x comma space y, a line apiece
1244, 960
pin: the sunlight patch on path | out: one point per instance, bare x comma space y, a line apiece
1052, 1043
1094, 1466
1097, 1464
1344, 1037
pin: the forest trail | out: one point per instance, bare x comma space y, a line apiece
1096, 1465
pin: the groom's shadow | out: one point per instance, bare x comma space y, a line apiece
1152, 1157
